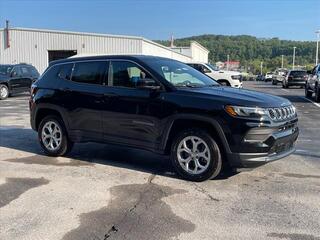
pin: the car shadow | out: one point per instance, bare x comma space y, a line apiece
24, 139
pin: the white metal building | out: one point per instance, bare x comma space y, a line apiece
38, 47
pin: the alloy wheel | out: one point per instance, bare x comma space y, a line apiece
51, 136
4, 92
193, 155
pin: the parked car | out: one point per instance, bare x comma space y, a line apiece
268, 77
295, 78
313, 83
16, 78
260, 78
279, 75
226, 78
161, 105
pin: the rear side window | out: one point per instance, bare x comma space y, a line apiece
89, 72
55, 73
34, 72
25, 72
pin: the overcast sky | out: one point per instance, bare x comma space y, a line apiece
286, 19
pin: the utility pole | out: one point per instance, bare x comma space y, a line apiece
261, 66
282, 61
317, 51
228, 62
293, 57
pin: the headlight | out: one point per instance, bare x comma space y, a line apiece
236, 77
246, 112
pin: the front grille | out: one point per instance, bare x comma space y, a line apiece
282, 114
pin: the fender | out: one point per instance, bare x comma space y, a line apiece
185, 116
50, 106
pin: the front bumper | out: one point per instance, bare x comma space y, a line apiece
277, 145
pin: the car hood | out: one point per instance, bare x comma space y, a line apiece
239, 97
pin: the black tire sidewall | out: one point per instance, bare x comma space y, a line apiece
317, 94
214, 167
65, 145
4, 86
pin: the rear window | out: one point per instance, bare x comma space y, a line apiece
298, 73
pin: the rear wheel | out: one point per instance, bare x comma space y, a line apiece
195, 155
53, 136
4, 92
274, 82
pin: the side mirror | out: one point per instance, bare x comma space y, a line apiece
309, 72
147, 83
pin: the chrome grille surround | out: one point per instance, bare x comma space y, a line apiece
282, 113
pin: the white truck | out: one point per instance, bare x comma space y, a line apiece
227, 78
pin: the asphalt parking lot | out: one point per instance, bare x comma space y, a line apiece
105, 192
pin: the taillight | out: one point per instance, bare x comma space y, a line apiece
33, 90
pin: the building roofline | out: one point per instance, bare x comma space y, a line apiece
94, 35
73, 33
195, 42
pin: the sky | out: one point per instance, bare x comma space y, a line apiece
159, 19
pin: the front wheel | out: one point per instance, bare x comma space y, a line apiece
4, 92
195, 155
317, 95
53, 136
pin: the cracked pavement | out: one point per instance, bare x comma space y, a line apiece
106, 192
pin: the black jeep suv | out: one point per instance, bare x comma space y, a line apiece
160, 105
16, 78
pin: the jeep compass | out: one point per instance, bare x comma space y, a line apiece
161, 105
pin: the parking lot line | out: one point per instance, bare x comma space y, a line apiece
314, 103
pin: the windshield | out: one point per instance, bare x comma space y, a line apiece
5, 69
215, 68
181, 75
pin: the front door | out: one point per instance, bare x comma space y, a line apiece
133, 114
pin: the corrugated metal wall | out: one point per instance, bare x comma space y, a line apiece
32, 46
155, 49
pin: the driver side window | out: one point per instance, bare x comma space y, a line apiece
126, 74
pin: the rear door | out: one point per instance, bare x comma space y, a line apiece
26, 79
83, 98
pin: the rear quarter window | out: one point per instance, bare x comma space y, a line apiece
54, 74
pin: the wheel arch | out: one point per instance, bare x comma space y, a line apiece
185, 121
44, 111
224, 81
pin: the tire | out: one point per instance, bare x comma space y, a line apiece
308, 94
58, 148
317, 91
274, 82
206, 144
4, 92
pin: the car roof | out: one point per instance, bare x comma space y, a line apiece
102, 57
